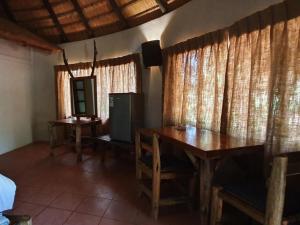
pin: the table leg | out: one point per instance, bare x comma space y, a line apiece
78, 143
207, 169
94, 135
192, 190
193, 159
52, 138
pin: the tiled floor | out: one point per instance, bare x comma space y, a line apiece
57, 191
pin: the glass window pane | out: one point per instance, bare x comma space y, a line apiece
79, 84
80, 95
82, 107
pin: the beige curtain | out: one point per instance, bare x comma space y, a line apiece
263, 79
248, 80
194, 81
284, 116
63, 88
255, 81
114, 79
119, 75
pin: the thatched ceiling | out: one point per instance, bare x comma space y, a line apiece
62, 21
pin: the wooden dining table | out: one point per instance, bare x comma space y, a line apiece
78, 125
207, 149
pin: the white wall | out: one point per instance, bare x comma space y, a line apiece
16, 102
44, 93
193, 19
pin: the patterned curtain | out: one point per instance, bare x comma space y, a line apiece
119, 75
246, 83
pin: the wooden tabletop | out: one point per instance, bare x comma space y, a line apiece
206, 143
74, 121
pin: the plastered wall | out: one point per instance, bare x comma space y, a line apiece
16, 96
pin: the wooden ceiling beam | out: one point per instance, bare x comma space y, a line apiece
65, 13
35, 19
7, 11
143, 12
129, 3
27, 23
32, 20
83, 18
12, 32
163, 5
117, 10
55, 20
61, 15
53, 26
54, 4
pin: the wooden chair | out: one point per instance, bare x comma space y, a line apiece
275, 205
150, 165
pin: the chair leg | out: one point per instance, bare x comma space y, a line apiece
216, 207
192, 191
103, 153
138, 173
155, 211
155, 195
139, 176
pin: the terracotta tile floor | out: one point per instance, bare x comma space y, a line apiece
57, 191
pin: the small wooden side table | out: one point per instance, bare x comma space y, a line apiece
78, 125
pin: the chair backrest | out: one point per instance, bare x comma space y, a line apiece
293, 164
283, 166
146, 140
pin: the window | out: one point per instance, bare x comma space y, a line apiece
242, 80
119, 75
